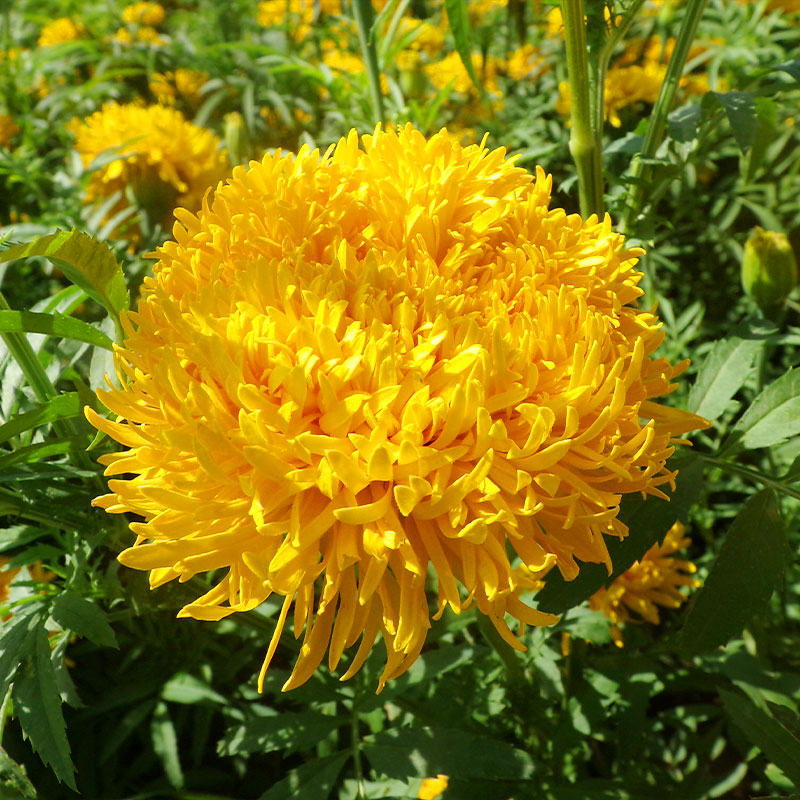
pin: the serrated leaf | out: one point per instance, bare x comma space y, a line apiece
16, 643
400, 752
286, 731
458, 19
313, 779
741, 581
648, 521
765, 732
64, 406
740, 109
763, 136
89, 263
55, 324
82, 616
684, 122
773, 417
15, 784
188, 690
37, 706
724, 371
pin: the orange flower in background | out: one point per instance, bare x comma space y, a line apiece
8, 130
355, 367
164, 160
654, 581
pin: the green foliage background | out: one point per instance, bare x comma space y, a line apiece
105, 694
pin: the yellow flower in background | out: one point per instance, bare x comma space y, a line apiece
526, 62
186, 83
8, 129
428, 38
146, 35
654, 581
165, 161
143, 13
451, 68
355, 367
6, 577
432, 788
61, 30
301, 14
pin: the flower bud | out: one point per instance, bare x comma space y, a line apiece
237, 139
769, 270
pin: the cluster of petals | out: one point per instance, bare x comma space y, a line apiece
162, 158
656, 580
356, 371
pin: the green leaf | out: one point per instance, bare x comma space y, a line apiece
740, 108
165, 745
724, 371
458, 18
89, 263
790, 67
773, 417
55, 324
63, 406
741, 581
684, 122
765, 732
188, 690
403, 752
14, 783
285, 731
764, 135
37, 706
83, 617
648, 521
313, 779
15, 645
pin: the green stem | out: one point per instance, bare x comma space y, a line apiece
751, 474
365, 18
585, 143
642, 171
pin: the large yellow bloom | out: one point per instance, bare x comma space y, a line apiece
165, 161
354, 367
654, 581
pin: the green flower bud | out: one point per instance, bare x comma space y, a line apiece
769, 270
237, 139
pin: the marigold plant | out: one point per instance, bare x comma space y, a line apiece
352, 368
164, 160
60, 30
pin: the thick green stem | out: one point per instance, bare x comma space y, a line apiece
585, 143
355, 744
365, 18
641, 171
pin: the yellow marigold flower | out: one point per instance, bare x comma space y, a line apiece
8, 129
184, 82
165, 160
354, 367
428, 38
344, 62
432, 788
525, 62
654, 581
143, 13
301, 13
61, 30
451, 67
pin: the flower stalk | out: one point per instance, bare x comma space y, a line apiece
585, 142
642, 170
365, 18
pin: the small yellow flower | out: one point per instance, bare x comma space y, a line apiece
355, 368
451, 68
143, 13
432, 788
654, 581
166, 87
61, 30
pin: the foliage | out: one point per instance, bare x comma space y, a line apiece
106, 694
